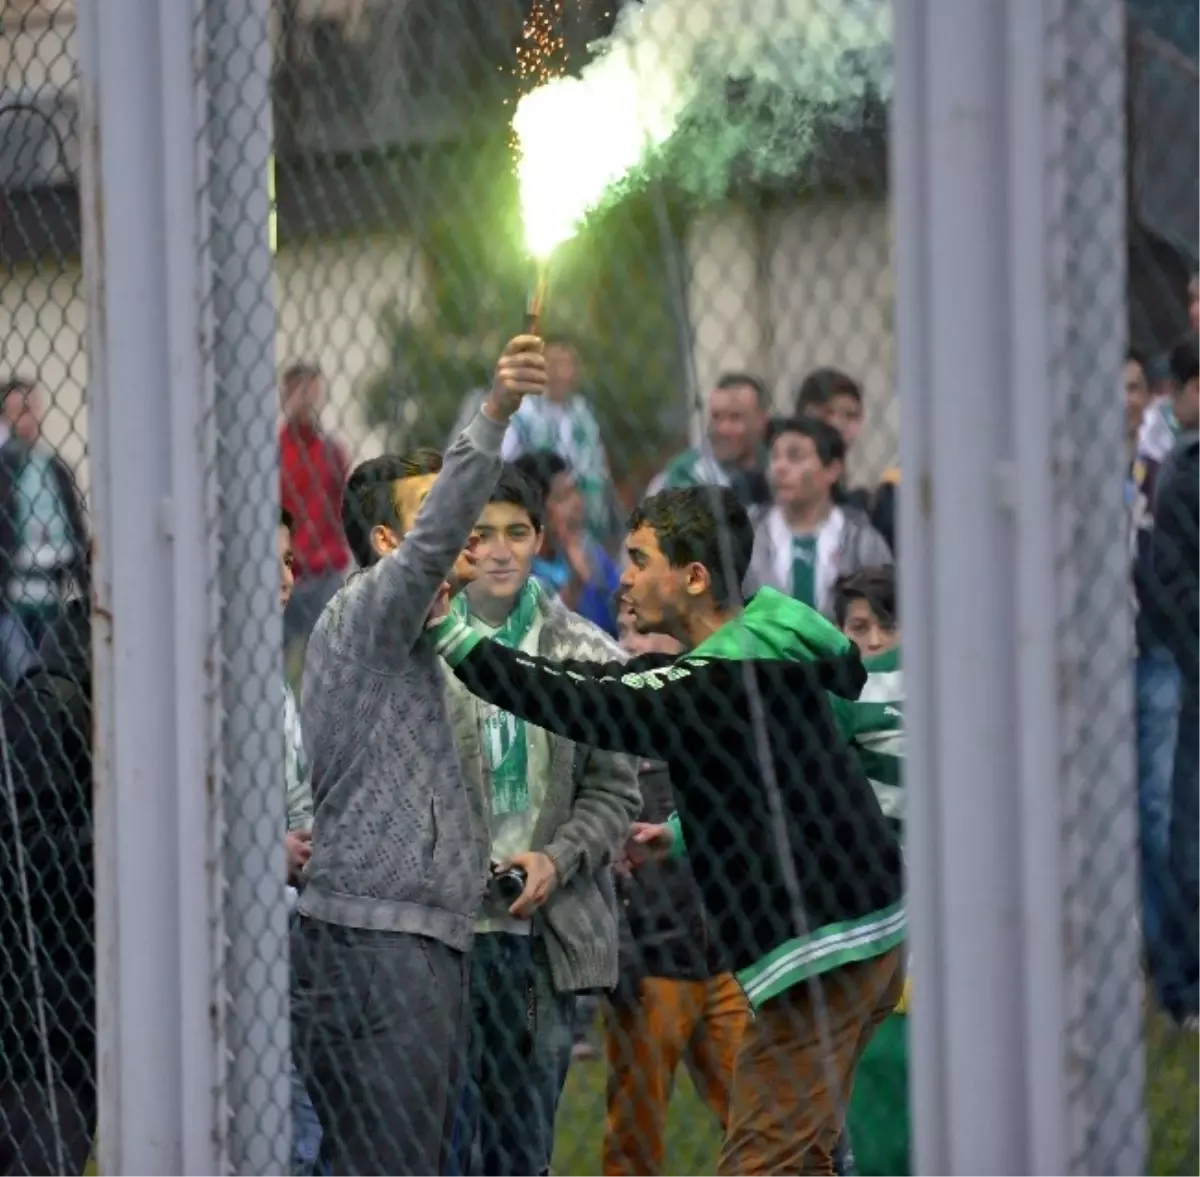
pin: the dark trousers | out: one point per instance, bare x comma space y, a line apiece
46, 1131
378, 1024
520, 1050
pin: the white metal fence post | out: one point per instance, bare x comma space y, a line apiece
157, 807
1008, 173
243, 314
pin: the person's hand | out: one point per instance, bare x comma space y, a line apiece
440, 608
541, 879
646, 842
575, 548
520, 372
298, 844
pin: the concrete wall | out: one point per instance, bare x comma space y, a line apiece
797, 288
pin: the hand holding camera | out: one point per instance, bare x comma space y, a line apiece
523, 882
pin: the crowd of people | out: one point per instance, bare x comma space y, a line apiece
528, 769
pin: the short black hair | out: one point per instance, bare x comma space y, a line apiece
876, 586
821, 385
287, 520
368, 501
1135, 355
728, 380
17, 384
1184, 360
542, 467
703, 525
516, 488
827, 441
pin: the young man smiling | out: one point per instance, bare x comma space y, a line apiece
397, 870
559, 813
798, 867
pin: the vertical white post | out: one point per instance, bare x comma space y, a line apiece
243, 316
1008, 168
156, 767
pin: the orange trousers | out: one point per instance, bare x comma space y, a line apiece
795, 1070
698, 1023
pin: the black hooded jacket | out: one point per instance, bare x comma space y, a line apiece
47, 904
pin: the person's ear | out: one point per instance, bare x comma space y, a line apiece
384, 540
541, 539
696, 579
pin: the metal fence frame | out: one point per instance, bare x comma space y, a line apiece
994, 256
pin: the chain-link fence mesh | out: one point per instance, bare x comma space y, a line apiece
718, 328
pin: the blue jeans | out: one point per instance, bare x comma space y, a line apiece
306, 1130
1157, 711
18, 651
519, 1053
1177, 971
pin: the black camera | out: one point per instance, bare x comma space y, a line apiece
506, 886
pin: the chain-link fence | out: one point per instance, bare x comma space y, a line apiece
381, 890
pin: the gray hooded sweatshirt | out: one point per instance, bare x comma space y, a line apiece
399, 844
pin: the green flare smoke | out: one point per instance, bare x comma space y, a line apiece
700, 89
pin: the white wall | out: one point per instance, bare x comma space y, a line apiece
329, 300
793, 290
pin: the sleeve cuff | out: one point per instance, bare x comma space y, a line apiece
453, 639
486, 435
678, 847
565, 856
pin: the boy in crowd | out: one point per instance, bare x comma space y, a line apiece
556, 812
798, 867
306, 1128
677, 1001
806, 540
379, 955
865, 609
1170, 611
569, 562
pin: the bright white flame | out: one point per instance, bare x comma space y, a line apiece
580, 137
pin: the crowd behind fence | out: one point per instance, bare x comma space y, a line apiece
423, 742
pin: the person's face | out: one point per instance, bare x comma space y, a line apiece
798, 479
656, 597
407, 496
867, 631
736, 422
1137, 396
636, 644
562, 370
24, 412
507, 543
1187, 405
564, 507
844, 412
287, 565
304, 402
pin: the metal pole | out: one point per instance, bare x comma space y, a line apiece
243, 314
157, 871
1008, 166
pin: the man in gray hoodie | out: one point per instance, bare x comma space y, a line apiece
399, 857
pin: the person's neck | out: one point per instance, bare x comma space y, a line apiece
805, 518
701, 625
493, 611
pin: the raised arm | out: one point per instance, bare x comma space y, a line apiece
616, 706
383, 609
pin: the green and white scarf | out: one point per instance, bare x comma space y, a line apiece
874, 723
505, 744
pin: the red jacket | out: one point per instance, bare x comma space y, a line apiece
313, 469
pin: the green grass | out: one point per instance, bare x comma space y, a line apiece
693, 1138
